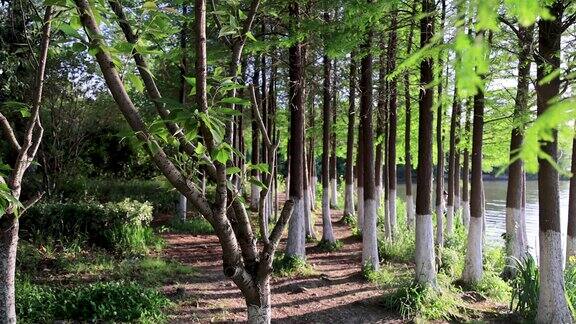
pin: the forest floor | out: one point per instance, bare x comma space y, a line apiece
335, 293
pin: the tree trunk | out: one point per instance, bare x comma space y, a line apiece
452, 177
392, 125
349, 176
333, 159
516, 247
255, 189
8, 246
571, 235
360, 169
327, 234
425, 259
466, 174
408, 135
473, 265
369, 239
439, 145
296, 244
182, 201
381, 131
552, 305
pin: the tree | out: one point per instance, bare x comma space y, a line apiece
425, 259
296, 244
11, 208
571, 233
249, 268
407, 133
381, 169
392, 124
369, 229
327, 234
349, 175
516, 245
333, 159
552, 305
182, 201
439, 144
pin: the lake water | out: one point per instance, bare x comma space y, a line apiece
495, 211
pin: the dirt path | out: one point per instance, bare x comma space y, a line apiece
338, 294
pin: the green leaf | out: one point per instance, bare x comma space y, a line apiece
232, 170
69, 30
251, 37
136, 82
221, 155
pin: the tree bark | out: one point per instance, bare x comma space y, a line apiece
439, 145
295, 246
392, 125
327, 234
425, 259
333, 159
408, 135
466, 173
516, 247
571, 234
380, 169
349, 176
369, 239
552, 305
182, 201
255, 189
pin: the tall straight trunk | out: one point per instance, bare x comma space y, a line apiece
453, 185
392, 125
552, 305
408, 135
466, 172
182, 201
349, 176
295, 246
327, 234
265, 158
473, 265
571, 234
311, 152
255, 189
425, 259
516, 247
439, 145
369, 238
381, 132
26, 153
333, 159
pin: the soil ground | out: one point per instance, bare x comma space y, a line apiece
336, 293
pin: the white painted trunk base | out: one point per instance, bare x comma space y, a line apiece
296, 242
308, 216
440, 225
410, 211
465, 213
327, 232
349, 200
473, 265
182, 206
392, 211
515, 244
387, 225
449, 220
254, 196
334, 193
425, 257
313, 194
552, 305
259, 314
361, 208
369, 235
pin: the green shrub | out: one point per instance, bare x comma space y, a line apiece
194, 225
120, 226
570, 282
291, 266
111, 301
162, 198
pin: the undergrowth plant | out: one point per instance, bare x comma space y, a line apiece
525, 288
291, 266
330, 246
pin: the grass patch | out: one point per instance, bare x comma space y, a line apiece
290, 266
98, 302
525, 288
349, 220
194, 226
428, 303
330, 246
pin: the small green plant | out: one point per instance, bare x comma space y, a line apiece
290, 266
385, 277
493, 286
99, 302
194, 226
525, 288
349, 220
570, 282
330, 246
429, 303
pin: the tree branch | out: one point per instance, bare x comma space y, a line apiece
267, 254
510, 25
9, 132
256, 112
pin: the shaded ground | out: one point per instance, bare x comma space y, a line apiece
337, 294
